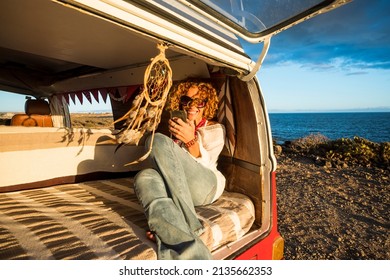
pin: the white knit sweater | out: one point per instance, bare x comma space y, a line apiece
211, 141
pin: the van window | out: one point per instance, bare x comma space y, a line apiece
254, 17
10, 104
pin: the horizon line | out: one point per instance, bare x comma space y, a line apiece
355, 110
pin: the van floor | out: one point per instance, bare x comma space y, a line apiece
101, 220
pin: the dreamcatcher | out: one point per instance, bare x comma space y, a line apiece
145, 112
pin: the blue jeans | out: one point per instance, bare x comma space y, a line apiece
168, 192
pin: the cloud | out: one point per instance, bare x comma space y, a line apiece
357, 73
343, 63
354, 36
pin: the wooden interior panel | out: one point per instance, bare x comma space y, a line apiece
247, 143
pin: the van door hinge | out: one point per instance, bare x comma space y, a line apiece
259, 62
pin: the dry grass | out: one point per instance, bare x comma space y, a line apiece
92, 120
344, 151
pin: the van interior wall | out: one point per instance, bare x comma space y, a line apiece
242, 169
38, 156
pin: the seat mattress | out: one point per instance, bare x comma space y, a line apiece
101, 220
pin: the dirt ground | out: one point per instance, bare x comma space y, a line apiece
333, 213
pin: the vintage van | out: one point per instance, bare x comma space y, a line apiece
66, 193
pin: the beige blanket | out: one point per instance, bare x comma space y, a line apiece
100, 220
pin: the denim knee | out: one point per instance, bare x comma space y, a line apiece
161, 142
149, 186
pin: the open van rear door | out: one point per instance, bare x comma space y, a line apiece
210, 28
255, 20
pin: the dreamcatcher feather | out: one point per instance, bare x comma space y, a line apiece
145, 112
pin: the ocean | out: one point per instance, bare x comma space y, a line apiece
373, 126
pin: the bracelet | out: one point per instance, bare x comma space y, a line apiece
191, 142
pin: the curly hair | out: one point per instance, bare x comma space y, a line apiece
206, 91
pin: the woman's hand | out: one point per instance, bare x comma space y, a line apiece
184, 131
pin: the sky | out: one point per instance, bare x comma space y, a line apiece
338, 61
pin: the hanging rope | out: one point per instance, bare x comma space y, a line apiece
145, 112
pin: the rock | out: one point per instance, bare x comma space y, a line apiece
319, 161
278, 149
328, 164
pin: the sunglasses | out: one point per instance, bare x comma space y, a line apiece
186, 101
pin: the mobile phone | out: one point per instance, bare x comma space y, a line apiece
181, 114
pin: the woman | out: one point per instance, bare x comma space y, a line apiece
184, 174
